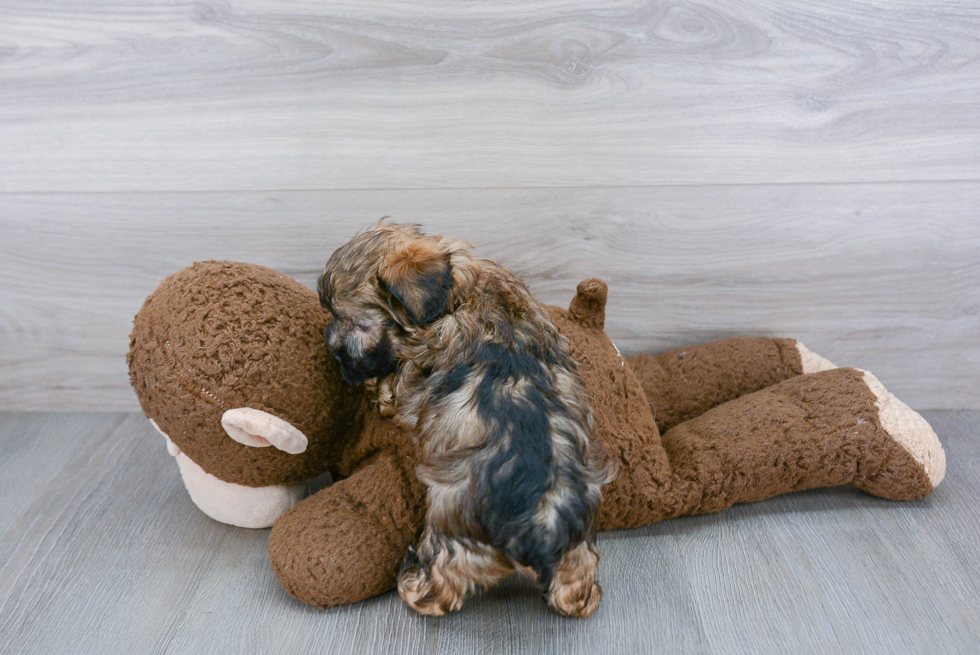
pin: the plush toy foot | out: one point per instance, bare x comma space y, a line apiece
811, 362
909, 430
234, 504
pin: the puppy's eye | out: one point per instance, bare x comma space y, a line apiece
358, 328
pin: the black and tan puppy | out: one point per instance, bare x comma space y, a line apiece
479, 370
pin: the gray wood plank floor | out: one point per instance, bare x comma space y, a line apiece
101, 551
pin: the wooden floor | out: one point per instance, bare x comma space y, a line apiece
101, 551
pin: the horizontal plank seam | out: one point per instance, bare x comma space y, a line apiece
488, 188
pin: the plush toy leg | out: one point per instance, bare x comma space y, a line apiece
830, 428
234, 504
344, 544
684, 383
910, 430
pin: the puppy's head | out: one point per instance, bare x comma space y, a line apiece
381, 286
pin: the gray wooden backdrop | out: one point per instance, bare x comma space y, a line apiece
797, 168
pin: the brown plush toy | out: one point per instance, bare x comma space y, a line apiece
229, 363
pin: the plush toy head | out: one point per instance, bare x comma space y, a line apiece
228, 361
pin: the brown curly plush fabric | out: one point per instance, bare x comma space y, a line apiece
684, 383
743, 425
819, 430
345, 543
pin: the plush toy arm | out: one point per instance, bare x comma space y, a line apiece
344, 544
684, 383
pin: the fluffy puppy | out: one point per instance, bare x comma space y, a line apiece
483, 376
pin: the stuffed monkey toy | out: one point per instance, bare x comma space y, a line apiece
229, 363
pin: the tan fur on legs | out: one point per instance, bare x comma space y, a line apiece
437, 578
428, 592
574, 591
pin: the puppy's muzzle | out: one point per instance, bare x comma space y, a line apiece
357, 361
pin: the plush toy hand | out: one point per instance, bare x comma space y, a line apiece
344, 543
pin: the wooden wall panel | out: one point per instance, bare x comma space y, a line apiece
880, 276
271, 94
796, 168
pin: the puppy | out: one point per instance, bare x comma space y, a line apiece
479, 371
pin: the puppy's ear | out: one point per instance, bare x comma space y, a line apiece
323, 289
418, 275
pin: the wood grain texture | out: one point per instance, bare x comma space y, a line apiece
271, 94
828, 571
731, 167
885, 277
947, 539
86, 568
107, 554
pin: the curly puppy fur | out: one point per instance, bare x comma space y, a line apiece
482, 375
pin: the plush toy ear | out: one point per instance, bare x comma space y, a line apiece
418, 275
253, 427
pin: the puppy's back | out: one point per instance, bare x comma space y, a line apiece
506, 426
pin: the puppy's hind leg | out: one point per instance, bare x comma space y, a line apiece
573, 590
436, 579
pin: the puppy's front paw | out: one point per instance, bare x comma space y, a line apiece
386, 399
387, 410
